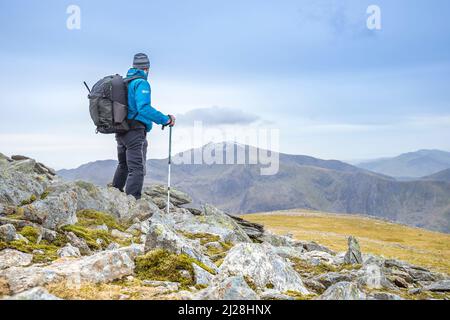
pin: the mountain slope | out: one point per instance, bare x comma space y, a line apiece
443, 175
306, 182
414, 164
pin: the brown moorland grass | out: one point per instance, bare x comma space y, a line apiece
417, 246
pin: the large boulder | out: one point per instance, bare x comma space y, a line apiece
227, 288
56, 210
111, 200
263, 266
21, 180
373, 276
101, 267
164, 237
13, 258
343, 291
212, 221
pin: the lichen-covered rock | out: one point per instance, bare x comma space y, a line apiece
343, 291
7, 233
37, 293
213, 221
164, 237
13, 258
254, 230
201, 276
121, 235
227, 288
271, 294
439, 286
177, 198
20, 180
318, 257
263, 266
276, 240
101, 267
313, 246
383, 296
410, 273
56, 210
373, 276
68, 251
353, 255
78, 243
330, 278
111, 200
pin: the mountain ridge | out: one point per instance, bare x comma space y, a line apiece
411, 164
301, 182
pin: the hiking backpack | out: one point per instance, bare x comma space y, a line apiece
108, 104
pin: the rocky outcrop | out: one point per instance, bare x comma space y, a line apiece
101, 267
263, 266
67, 235
162, 236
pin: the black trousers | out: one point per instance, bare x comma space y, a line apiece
132, 155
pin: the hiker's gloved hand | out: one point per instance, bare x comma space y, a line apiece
171, 122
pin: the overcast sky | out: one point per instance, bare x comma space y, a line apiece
311, 68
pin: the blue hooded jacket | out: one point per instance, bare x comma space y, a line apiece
139, 101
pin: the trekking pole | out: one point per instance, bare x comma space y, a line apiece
168, 175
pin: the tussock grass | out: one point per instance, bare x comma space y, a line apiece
417, 246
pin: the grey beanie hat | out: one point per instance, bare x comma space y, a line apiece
141, 61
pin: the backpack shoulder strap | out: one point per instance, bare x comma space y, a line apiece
127, 82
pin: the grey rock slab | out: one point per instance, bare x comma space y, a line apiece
343, 291
228, 288
263, 266
13, 258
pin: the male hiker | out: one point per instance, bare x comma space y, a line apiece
132, 145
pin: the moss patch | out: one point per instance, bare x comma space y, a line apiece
91, 236
49, 251
16, 213
45, 194
31, 233
250, 283
161, 265
84, 228
298, 296
92, 218
203, 237
30, 200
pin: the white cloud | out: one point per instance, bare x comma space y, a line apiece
214, 116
